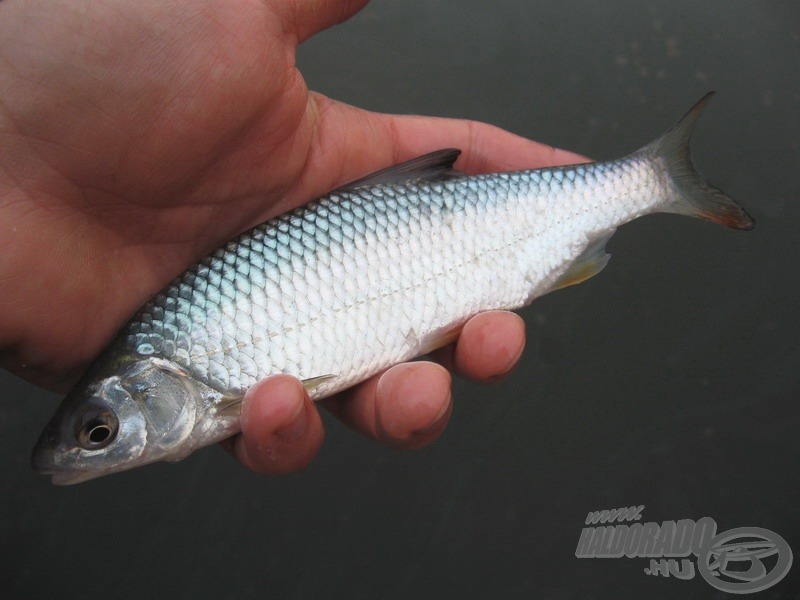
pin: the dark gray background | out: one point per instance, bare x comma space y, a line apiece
671, 380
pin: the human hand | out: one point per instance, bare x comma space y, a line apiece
136, 138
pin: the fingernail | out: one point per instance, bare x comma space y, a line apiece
443, 415
513, 361
498, 377
296, 427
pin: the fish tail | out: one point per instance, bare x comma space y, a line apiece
693, 195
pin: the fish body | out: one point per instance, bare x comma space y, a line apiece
380, 271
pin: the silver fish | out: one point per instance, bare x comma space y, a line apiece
382, 270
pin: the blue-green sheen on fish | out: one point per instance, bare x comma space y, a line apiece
380, 271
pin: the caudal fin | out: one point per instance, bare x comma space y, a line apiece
694, 195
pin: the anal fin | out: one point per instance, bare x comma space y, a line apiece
438, 339
588, 264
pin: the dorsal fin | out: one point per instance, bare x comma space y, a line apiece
434, 166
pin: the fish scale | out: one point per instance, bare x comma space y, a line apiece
361, 279
375, 273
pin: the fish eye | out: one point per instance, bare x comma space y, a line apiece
98, 431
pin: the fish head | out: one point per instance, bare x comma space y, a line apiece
144, 411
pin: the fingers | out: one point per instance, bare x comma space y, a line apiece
484, 147
349, 142
307, 17
281, 429
407, 406
488, 348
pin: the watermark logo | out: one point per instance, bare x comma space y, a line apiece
738, 561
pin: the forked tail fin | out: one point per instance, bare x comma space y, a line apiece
694, 195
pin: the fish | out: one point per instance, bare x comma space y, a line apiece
382, 270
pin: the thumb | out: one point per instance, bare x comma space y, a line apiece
304, 18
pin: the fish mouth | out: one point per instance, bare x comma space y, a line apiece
71, 477
43, 459
63, 476
44, 462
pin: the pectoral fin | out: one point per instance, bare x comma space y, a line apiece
231, 407
591, 261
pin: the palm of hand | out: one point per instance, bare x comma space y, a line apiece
160, 152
